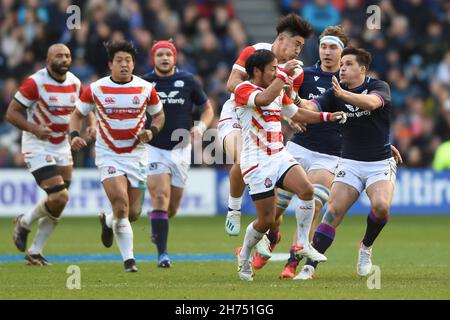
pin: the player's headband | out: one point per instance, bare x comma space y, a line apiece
167, 45
332, 39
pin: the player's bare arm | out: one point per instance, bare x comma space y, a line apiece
307, 116
236, 77
91, 128
146, 135
368, 102
75, 123
15, 116
205, 119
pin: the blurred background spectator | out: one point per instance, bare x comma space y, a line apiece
411, 51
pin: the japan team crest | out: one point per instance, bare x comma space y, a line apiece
136, 100
268, 183
111, 170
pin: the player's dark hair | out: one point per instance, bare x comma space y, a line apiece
336, 31
112, 47
259, 59
295, 26
362, 56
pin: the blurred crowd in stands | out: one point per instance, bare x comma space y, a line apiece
410, 50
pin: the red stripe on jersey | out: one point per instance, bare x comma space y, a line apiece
43, 115
120, 115
36, 119
29, 89
60, 89
59, 127
249, 169
113, 147
271, 136
119, 90
263, 146
121, 134
269, 115
86, 95
154, 98
297, 83
224, 119
57, 140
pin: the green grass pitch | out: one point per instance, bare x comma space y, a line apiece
413, 254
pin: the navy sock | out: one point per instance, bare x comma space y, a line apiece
322, 240
160, 229
374, 227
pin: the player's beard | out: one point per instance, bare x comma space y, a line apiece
59, 68
164, 72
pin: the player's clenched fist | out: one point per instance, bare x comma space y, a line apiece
145, 136
77, 143
42, 132
340, 116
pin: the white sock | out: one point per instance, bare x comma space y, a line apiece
234, 203
109, 219
37, 212
251, 238
45, 228
124, 236
304, 214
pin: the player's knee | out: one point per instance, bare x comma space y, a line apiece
381, 208
307, 192
120, 207
134, 215
59, 198
160, 198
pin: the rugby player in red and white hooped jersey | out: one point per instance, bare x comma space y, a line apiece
120, 102
265, 164
292, 31
48, 97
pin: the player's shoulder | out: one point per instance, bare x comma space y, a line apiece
73, 78
39, 76
376, 83
262, 45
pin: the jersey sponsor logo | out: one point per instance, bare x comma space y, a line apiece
170, 98
178, 84
122, 110
53, 99
110, 100
321, 90
268, 183
313, 96
111, 170
351, 108
316, 78
136, 100
364, 92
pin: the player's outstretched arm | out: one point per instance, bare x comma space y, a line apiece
307, 116
15, 116
368, 102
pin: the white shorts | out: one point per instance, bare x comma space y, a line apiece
175, 162
44, 153
312, 160
362, 174
228, 121
133, 166
262, 177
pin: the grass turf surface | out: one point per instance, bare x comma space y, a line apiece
413, 254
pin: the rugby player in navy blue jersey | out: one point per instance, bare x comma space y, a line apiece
170, 156
367, 162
